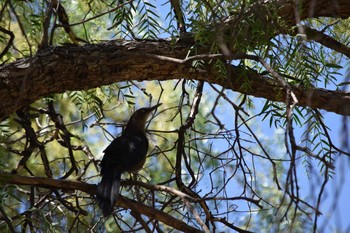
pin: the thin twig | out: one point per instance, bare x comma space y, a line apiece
196, 216
7, 220
99, 15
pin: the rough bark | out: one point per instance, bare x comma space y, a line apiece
314, 8
56, 70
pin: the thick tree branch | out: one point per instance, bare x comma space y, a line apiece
58, 69
123, 202
275, 17
296, 11
312, 8
326, 40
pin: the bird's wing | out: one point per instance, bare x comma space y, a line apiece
113, 155
116, 144
125, 153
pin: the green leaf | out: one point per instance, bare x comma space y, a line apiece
344, 83
332, 65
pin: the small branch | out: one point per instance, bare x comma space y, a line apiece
63, 18
181, 134
138, 217
195, 104
34, 143
123, 202
326, 178
225, 222
182, 195
48, 183
186, 60
99, 15
155, 214
46, 24
203, 57
21, 27
282, 82
176, 5
9, 44
7, 220
66, 137
196, 216
325, 130
315, 156
327, 41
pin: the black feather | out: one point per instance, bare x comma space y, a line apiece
126, 153
108, 192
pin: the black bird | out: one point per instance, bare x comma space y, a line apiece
126, 153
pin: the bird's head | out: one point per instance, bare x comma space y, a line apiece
138, 120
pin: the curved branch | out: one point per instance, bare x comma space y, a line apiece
327, 41
310, 8
9, 44
123, 202
279, 17
55, 70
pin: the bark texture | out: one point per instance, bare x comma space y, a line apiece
59, 69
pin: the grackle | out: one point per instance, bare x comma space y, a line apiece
126, 153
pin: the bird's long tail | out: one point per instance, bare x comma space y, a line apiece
108, 191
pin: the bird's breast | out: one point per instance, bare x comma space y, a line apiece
137, 148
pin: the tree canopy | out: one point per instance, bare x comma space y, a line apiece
246, 88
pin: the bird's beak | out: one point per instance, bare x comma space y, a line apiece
154, 107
